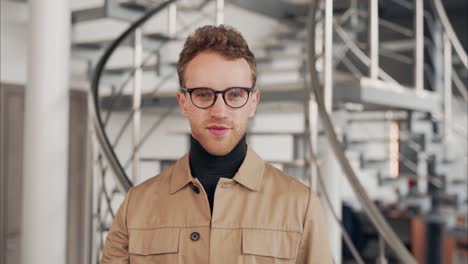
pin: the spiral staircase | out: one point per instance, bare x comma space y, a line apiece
347, 61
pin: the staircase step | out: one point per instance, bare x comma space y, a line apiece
126, 11
150, 41
134, 5
279, 9
127, 69
88, 14
380, 95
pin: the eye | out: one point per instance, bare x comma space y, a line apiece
236, 93
202, 93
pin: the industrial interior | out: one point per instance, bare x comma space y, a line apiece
365, 101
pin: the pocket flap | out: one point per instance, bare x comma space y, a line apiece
271, 243
153, 241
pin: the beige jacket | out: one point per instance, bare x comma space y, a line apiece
261, 215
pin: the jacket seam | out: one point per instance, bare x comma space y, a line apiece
128, 205
221, 228
256, 228
307, 208
164, 227
304, 224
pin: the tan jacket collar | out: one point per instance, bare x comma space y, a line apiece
250, 173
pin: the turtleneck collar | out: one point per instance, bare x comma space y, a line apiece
209, 168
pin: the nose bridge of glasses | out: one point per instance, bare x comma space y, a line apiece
223, 98
217, 94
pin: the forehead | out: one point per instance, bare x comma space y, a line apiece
211, 69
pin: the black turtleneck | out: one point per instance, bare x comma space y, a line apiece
209, 168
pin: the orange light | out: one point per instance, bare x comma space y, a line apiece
394, 149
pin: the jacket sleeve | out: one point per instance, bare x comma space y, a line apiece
116, 247
314, 246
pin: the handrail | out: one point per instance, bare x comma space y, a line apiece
450, 32
359, 53
371, 210
123, 181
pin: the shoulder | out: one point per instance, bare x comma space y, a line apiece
273, 175
155, 181
158, 184
308, 201
286, 188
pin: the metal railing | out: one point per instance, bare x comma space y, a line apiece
107, 163
108, 151
452, 37
315, 91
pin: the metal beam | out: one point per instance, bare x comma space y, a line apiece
419, 45
136, 120
219, 12
447, 87
374, 39
328, 56
172, 20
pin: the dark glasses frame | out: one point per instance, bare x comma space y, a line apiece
249, 90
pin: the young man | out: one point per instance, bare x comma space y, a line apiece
220, 203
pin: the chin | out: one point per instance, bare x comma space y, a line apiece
218, 148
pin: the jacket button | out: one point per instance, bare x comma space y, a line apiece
195, 189
195, 236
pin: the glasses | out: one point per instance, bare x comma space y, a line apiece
234, 97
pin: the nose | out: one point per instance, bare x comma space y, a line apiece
219, 109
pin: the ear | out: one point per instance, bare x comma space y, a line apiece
255, 100
181, 100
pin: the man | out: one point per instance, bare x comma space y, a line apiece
220, 203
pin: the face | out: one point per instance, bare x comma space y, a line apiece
218, 128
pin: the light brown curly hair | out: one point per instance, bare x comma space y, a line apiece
222, 39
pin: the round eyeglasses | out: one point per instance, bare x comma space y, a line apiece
234, 97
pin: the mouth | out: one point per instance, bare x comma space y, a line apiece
218, 130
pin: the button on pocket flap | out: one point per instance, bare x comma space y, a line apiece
271, 243
153, 241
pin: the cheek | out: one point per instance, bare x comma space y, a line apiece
252, 110
241, 119
195, 118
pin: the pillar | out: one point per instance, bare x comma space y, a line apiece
45, 164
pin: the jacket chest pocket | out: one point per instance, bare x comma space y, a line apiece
261, 246
154, 245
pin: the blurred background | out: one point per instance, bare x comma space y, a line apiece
363, 100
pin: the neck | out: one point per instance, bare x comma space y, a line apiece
208, 167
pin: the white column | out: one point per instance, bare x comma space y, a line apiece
332, 172
333, 178
44, 209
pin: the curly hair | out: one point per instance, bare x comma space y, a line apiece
222, 39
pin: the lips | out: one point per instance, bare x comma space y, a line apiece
218, 130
